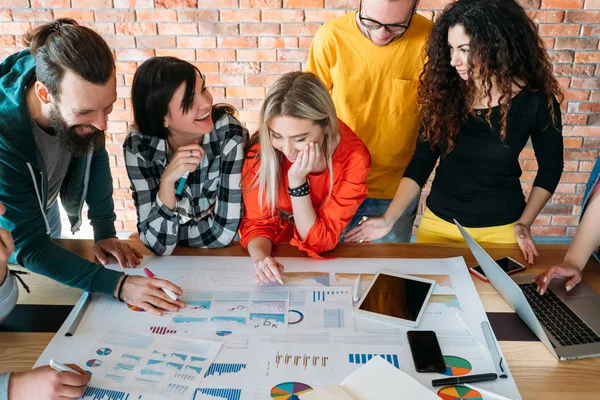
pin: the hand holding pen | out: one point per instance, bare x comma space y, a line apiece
185, 160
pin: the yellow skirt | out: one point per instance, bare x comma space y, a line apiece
433, 229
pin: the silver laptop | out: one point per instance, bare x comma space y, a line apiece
568, 323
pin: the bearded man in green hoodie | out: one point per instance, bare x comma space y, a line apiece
55, 97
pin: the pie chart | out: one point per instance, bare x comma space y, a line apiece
105, 351
458, 392
289, 390
456, 366
93, 363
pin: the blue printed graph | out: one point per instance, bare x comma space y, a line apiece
364, 358
176, 366
223, 318
151, 372
105, 351
116, 378
124, 367
276, 317
198, 304
227, 394
197, 370
189, 320
323, 295
224, 333
94, 393
154, 362
131, 357
197, 359
220, 369
182, 357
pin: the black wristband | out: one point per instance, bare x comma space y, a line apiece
300, 191
121, 288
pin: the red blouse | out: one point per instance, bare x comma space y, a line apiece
350, 163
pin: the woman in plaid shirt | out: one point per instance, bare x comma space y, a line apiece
178, 130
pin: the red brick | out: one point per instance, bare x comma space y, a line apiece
591, 30
557, 209
121, 115
559, 29
292, 55
156, 15
277, 42
574, 69
220, 3
155, 42
256, 55
561, 56
218, 29
583, 16
280, 68
77, 15
7, 41
560, 4
576, 94
595, 95
586, 166
299, 29
305, 42
574, 119
96, 4
15, 3
565, 188
581, 154
594, 119
549, 16
50, 3
126, 68
239, 16
574, 177
576, 43
248, 116
197, 42
548, 42
351, 4
115, 15
589, 107
261, 80
237, 42
134, 55
563, 82
561, 220
215, 55
283, 16
120, 42
245, 92
592, 4
542, 220
134, 4
226, 80
547, 231
102, 28
322, 15
259, 4
177, 29
261, 29
252, 104
587, 57
303, 3
184, 54
14, 28
207, 67
32, 15
136, 28
198, 15
585, 83
176, 3
239, 67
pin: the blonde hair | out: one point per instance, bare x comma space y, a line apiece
299, 95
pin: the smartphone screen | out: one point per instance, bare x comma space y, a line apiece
426, 351
507, 264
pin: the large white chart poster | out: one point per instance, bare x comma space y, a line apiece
322, 341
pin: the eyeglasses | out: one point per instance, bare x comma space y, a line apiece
395, 29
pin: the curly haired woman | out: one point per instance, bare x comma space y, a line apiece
486, 89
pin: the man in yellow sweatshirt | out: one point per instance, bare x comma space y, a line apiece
370, 61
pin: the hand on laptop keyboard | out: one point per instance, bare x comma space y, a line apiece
565, 270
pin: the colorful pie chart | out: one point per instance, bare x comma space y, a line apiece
289, 390
456, 366
458, 392
134, 308
223, 333
93, 363
105, 351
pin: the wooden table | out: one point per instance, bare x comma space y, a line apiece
537, 373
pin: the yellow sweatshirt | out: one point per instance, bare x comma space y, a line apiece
374, 89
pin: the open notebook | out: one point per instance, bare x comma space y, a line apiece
376, 380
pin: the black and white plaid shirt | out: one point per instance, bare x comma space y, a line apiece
209, 210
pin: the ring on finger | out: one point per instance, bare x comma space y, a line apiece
361, 240
191, 153
263, 268
522, 236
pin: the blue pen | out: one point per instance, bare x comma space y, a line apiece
182, 183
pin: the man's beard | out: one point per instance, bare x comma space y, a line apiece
70, 140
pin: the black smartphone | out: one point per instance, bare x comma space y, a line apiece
509, 266
426, 351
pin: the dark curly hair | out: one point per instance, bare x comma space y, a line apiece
505, 47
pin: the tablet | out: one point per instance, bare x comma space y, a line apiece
396, 298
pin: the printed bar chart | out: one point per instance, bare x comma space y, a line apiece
364, 358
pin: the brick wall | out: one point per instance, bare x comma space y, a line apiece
244, 45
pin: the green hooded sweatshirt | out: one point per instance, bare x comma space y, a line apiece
24, 190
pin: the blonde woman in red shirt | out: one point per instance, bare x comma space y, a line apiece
304, 176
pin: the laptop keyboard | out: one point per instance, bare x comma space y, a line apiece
566, 327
